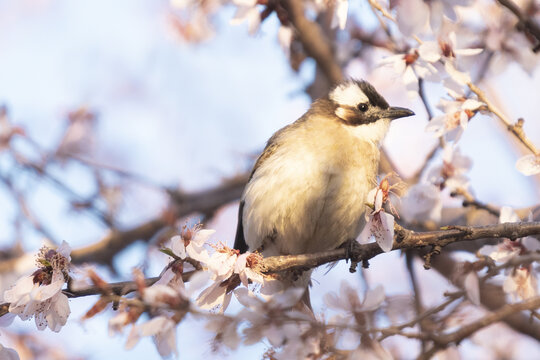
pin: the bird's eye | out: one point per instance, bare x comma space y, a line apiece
363, 107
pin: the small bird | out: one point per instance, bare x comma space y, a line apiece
308, 188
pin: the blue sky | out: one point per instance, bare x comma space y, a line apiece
189, 115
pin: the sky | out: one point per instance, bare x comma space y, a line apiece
190, 115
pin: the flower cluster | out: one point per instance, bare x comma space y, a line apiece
424, 200
521, 281
40, 295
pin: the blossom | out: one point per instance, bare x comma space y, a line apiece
269, 319
247, 11
163, 332
349, 301
501, 252
422, 202
222, 262
451, 173
191, 243
443, 8
244, 267
411, 67
433, 51
341, 8
521, 284
40, 295
528, 164
380, 224
285, 37
455, 118
217, 295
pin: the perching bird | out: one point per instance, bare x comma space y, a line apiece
308, 189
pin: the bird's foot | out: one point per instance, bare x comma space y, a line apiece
349, 247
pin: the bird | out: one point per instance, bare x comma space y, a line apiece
307, 190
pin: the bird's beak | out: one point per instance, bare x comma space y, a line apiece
396, 113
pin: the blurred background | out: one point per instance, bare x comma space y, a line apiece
115, 108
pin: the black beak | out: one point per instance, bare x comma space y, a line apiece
395, 113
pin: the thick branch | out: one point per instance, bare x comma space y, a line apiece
404, 239
314, 41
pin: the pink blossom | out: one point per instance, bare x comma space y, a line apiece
379, 224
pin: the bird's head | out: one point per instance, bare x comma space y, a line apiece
358, 103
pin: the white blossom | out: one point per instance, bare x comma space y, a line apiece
244, 268
163, 332
521, 284
285, 36
529, 165
191, 243
40, 295
410, 67
340, 13
422, 202
216, 295
433, 51
247, 12
452, 171
349, 301
501, 252
455, 118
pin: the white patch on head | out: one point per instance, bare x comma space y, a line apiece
348, 94
373, 132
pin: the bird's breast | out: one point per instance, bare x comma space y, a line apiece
308, 199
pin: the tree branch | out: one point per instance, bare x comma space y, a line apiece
206, 201
444, 340
527, 23
314, 41
404, 239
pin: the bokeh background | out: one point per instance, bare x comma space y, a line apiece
187, 116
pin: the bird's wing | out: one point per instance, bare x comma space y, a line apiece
240, 241
271, 145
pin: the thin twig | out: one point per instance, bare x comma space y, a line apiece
516, 129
